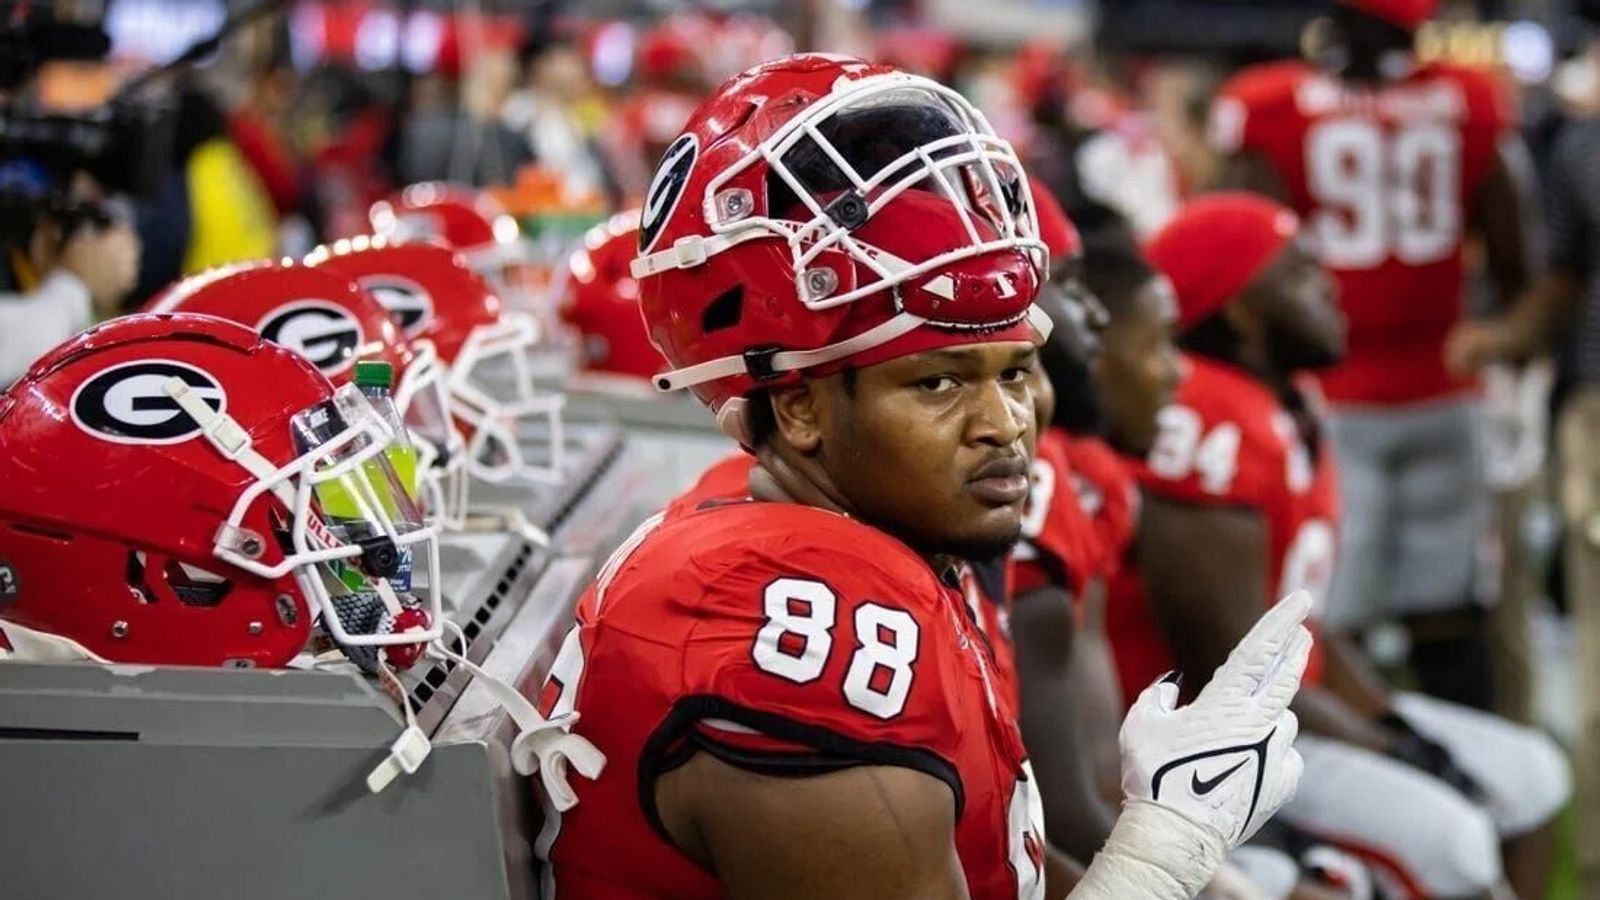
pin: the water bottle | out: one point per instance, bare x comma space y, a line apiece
375, 380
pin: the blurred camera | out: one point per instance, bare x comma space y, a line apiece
122, 144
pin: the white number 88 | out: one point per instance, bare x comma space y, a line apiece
797, 637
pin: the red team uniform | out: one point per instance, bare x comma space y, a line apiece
986, 587
1383, 179
778, 636
1081, 515
1228, 441
1109, 495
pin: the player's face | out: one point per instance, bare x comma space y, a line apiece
1078, 316
934, 447
1139, 369
1296, 298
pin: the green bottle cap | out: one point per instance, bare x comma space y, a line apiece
374, 373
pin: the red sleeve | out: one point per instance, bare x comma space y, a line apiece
821, 634
1113, 496
1491, 115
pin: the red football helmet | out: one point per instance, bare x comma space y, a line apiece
468, 221
1078, 315
330, 321
819, 210
696, 48
674, 51
250, 497
601, 302
438, 299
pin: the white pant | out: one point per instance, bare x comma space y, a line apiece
1413, 506
1419, 833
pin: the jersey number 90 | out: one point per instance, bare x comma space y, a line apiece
1384, 193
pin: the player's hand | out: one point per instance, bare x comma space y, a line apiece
106, 260
1473, 344
1227, 760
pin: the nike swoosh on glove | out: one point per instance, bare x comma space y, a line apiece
1227, 760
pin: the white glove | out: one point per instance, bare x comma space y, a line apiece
1227, 760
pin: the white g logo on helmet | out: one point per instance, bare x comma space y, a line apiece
666, 188
129, 404
404, 300
324, 333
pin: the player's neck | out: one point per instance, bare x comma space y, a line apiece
776, 479
779, 477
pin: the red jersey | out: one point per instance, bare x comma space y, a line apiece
1384, 178
1228, 441
778, 636
1109, 496
1080, 516
1059, 545
988, 588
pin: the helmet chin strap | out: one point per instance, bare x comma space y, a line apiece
225, 434
544, 746
29, 645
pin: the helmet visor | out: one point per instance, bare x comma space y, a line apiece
423, 400
348, 524
857, 156
883, 143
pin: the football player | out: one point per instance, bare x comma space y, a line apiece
1080, 516
1078, 533
840, 259
1239, 499
1390, 163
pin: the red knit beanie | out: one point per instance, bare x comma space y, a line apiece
1215, 245
1055, 228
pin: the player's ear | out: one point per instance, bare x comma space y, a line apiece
798, 416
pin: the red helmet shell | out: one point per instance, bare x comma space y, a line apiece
675, 49
601, 301
745, 299
113, 499
324, 317
1055, 227
428, 289
461, 217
